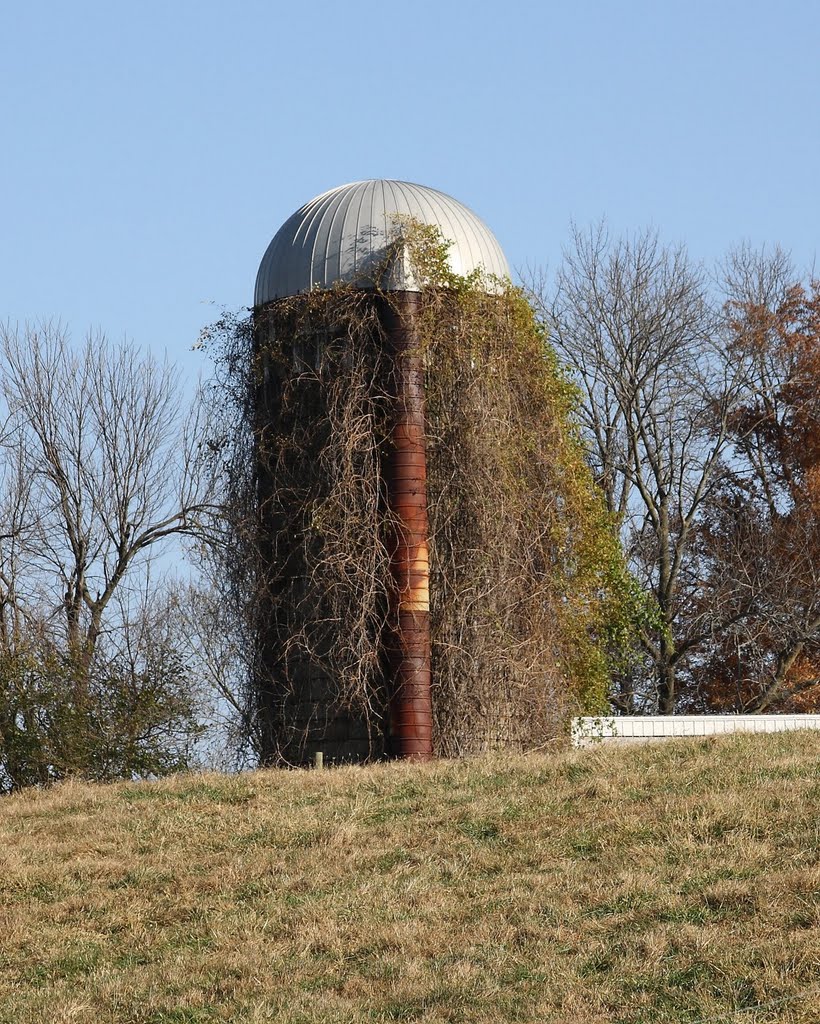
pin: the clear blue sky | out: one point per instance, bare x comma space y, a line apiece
149, 151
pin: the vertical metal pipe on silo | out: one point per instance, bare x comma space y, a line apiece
405, 473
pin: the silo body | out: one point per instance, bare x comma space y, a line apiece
352, 236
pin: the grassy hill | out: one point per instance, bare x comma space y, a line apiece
665, 883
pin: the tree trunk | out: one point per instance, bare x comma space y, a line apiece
666, 678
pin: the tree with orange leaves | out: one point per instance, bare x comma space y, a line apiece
759, 541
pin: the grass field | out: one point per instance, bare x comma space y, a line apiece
677, 882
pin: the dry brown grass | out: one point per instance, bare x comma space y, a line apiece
666, 883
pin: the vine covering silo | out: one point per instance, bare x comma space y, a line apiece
527, 586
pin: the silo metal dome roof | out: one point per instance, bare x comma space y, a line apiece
345, 234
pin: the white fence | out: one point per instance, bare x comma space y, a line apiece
641, 728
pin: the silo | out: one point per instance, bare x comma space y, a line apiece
352, 237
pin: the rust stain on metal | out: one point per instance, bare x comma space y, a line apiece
405, 470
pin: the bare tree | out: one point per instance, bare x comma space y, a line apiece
101, 472
218, 644
633, 320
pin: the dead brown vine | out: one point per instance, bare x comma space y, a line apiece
519, 554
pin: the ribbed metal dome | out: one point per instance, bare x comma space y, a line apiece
344, 236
